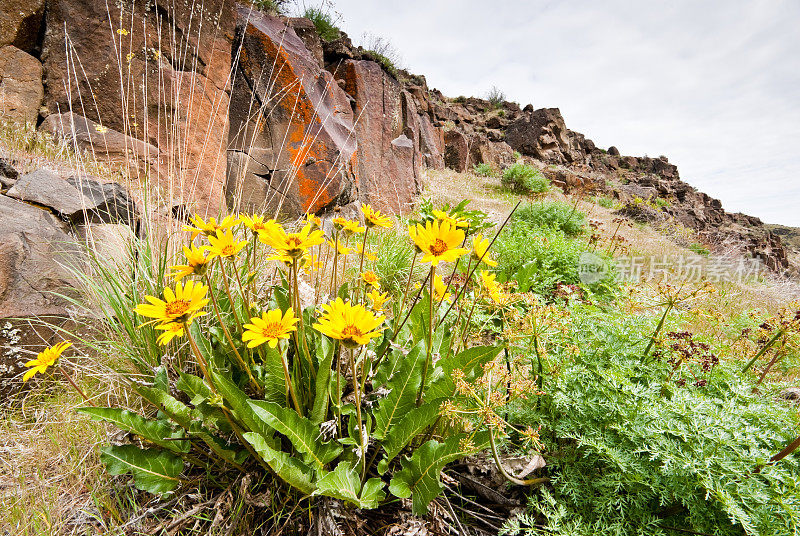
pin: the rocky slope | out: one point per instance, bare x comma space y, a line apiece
217, 104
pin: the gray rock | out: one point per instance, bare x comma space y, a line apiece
8, 175
792, 394
44, 187
106, 202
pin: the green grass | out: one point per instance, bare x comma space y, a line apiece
323, 22
523, 178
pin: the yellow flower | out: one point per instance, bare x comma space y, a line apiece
122, 31
444, 217
171, 330
367, 255
257, 224
269, 328
493, 289
210, 227
342, 250
196, 263
294, 245
348, 226
224, 244
378, 299
101, 129
314, 220
312, 262
181, 305
373, 218
412, 233
354, 325
370, 278
439, 289
439, 242
480, 246
45, 359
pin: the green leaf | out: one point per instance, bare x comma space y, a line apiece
322, 391
344, 483
194, 387
303, 434
413, 423
153, 470
157, 432
402, 396
272, 378
238, 402
171, 407
419, 477
291, 470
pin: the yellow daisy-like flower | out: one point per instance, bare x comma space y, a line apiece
480, 245
374, 218
412, 233
354, 325
314, 220
444, 217
312, 262
367, 255
493, 289
370, 278
342, 249
181, 305
269, 328
122, 31
45, 359
196, 263
257, 224
348, 226
224, 244
171, 330
294, 245
439, 289
378, 299
439, 242
210, 227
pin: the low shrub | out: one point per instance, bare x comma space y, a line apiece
483, 170
522, 178
553, 215
496, 97
605, 202
324, 23
700, 249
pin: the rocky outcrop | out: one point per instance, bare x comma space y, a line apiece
292, 147
21, 23
170, 89
21, 87
387, 128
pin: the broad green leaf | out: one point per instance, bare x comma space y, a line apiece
291, 470
322, 391
412, 424
402, 397
153, 470
160, 379
272, 378
238, 402
304, 435
419, 476
194, 387
344, 483
171, 407
157, 432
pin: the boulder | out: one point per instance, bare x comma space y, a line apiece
20, 23
292, 147
541, 134
35, 251
431, 141
105, 144
388, 131
21, 87
613, 151
170, 91
78, 198
307, 32
456, 151
8, 175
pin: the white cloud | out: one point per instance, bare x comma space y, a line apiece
713, 85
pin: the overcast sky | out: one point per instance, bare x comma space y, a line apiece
715, 86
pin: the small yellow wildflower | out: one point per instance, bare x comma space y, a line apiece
480, 246
101, 129
314, 220
347, 226
378, 299
210, 227
45, 359
224, 244
122, 31
269, 328
367, 255
341, 248
354, 325
439, 289
257, 224
171, 330
196, 263
439, 242
292, 244
370, 278
374, 218
444, 217
181, 305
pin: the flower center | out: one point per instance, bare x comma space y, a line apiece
272, 330
177, 308
438, 247
229, 250
349, 334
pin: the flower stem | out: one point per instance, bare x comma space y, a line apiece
361, 263
230, 296
75, 385
357, 394
200, 359
429, 352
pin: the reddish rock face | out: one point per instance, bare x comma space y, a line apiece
456, 151
20, 22
387, 127
159, 75
20, 85
292, 148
